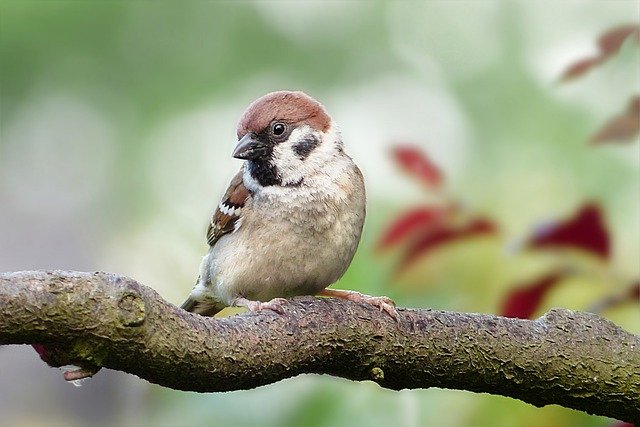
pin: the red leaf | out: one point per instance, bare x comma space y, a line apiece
434, 238
634, 292
41, 350
579, 67
410, 222
47, 354
523, 301
611, 41
623, 127
52, 355
622, 424
413, 161
585, 231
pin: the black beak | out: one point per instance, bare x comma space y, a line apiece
249, 148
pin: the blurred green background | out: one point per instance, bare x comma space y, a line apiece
117, 124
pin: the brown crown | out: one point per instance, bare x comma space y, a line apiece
289, 107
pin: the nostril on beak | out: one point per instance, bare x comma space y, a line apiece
248, 148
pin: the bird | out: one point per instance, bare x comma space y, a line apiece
291, 219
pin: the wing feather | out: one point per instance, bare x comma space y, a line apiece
228, 215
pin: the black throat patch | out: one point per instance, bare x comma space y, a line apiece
262, 168
263, 171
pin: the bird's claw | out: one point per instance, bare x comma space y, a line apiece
384, 304
254, 306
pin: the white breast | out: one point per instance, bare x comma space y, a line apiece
293, 241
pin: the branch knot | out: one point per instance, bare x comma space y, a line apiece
132, 309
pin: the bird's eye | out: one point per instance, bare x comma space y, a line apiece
278, 129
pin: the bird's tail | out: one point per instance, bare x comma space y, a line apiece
203, 308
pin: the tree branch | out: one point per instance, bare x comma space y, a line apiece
577, 360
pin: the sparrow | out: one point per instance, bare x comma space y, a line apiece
290, 222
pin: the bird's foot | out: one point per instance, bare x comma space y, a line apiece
273, 305
383, 303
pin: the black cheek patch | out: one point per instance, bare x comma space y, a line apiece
305, 146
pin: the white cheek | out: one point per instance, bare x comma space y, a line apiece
333, 136
290, 167
327, 151
251, 184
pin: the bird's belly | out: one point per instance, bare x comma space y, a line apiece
270, 264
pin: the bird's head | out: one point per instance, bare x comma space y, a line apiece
285, 136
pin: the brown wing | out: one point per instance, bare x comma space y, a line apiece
228, 215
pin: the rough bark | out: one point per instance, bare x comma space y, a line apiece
573, 359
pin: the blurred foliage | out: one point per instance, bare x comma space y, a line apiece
116, 123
